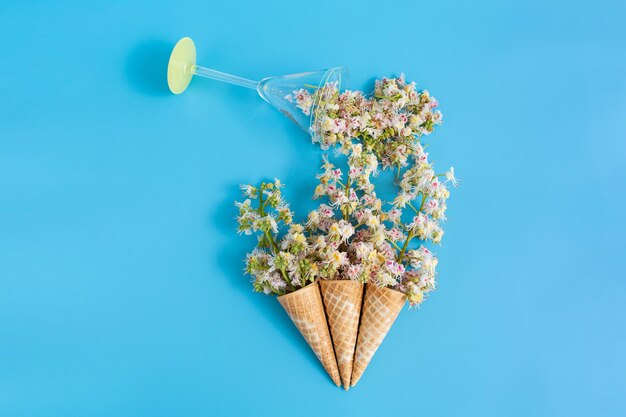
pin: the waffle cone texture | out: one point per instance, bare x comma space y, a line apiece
381, 306
306, 310
342, 301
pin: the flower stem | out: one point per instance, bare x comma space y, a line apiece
394, 244
272, 242
405, 246
261, 213
270, 238
347, 188
410, 235
413, 207
423, 201
287, 280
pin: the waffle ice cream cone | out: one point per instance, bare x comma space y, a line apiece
342, 300
306, 310
381, 306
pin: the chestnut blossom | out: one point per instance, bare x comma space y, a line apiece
353, 234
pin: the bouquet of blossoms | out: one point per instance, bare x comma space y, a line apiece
387, 122
354, 242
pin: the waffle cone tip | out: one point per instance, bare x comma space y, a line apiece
342, 301
306, 310
381, 306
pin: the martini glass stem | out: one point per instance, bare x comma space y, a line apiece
222, 76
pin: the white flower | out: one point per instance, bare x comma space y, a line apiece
431, 206
379, 236
428, 228
281, 261
328, 125
319, 243
362, 250
402, 199
420, 220
299, 239
394, 268
394, 215
437, 234
313, 220
371, 220
354, 172
276, 281
325, 211
451, 178
245, 206
336, 259
395, 234
391, 89
385, 279
304, 100
353, 271
248, 190
346, 230
436, 189
266, 224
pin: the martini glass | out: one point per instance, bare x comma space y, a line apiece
279, 91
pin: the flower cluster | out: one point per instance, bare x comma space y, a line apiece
350, 235
353, 234
284, 262
379, 251
387, 122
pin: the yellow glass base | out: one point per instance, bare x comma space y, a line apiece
180, 67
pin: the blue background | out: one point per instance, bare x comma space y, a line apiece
121, 285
